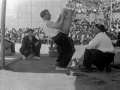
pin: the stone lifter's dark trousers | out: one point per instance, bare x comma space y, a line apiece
66, 49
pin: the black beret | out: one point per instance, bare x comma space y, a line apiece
30, 30
101, 27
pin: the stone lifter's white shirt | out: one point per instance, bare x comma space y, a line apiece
101, 42
50, 32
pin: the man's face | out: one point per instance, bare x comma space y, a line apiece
30, 33
96, 30
48, 16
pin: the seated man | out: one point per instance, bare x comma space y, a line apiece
99, 52
9, 46
12, 45
30, 46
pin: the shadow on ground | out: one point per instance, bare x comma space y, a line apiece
84, 81
45, 65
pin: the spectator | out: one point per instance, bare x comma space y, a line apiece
30, 46
99, 51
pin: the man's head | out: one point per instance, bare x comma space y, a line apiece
99, 28
45, 14
30, 32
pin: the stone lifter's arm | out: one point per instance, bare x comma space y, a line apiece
59, 18
56, 25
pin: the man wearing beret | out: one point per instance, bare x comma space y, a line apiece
99, 52
30, 46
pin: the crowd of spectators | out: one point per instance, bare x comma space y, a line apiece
116, 6
81, 32
16, 36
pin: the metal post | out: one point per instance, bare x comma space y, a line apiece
18, 13
3, 15
110, 13
31, 14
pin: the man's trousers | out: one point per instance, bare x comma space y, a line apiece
97, 58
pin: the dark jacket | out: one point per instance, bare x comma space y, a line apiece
28, 44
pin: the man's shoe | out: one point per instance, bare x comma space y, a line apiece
86, 70
24, 58
35, 57
56, 64
60, 68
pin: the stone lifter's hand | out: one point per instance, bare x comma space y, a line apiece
63, 12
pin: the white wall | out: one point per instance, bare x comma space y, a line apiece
18, 12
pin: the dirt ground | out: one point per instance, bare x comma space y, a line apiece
40, 75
